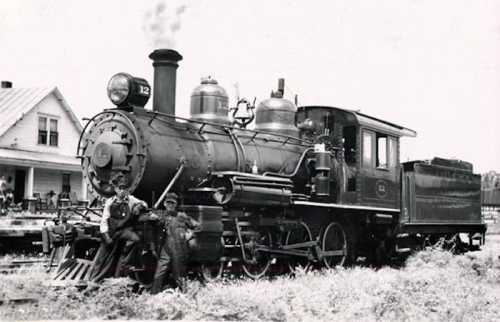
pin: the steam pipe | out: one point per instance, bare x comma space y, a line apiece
282, 175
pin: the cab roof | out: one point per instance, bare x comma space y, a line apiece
368, 121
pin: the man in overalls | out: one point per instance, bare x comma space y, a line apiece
178, 228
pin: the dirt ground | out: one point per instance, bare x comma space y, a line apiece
434, 285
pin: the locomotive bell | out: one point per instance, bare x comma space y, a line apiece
277, 114
209, 102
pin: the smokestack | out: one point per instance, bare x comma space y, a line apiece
165, 65
6, 84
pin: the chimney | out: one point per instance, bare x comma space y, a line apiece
165, 65
6, 84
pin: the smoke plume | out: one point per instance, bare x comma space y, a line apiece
162, 22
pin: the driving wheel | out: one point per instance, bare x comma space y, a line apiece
336, 245
258, 261
297, 235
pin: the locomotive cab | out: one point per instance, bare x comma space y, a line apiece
366, 152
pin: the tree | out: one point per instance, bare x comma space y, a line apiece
490, 180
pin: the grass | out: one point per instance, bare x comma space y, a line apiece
494, 227
433, 286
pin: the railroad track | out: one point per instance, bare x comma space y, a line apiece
15, 266
18, 301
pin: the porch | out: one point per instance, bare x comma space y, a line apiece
40, 181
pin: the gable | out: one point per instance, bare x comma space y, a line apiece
23, 134
15, 102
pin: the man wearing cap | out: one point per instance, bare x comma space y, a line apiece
174, 249
118, 215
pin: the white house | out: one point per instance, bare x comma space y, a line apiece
39, 134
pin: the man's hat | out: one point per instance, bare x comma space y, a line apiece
172, 196
120, 181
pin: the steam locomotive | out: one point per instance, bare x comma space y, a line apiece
308, 184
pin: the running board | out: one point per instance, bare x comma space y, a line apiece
342, 206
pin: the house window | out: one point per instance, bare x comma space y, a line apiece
66, 187
47, 135
42, 130
54, 135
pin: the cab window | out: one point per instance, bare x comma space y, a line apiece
393, 152
350, 144
368, 143
381, 151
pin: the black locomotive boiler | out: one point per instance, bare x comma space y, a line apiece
308, 184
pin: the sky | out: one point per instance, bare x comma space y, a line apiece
429, 65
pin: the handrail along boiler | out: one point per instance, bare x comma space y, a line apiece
309, 184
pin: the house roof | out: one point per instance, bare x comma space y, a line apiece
16, 102
39, 159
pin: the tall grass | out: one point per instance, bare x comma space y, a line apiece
433, 286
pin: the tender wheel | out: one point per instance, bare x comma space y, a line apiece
261, 261
298, 235
211, 271
336, 245
179, 250
147, 264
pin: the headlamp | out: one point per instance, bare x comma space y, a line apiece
125, 90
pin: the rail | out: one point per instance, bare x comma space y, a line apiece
15, 266
223, 126
18, 301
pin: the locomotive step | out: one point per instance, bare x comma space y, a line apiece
230, 259
402, 250
229, 233
244, 224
